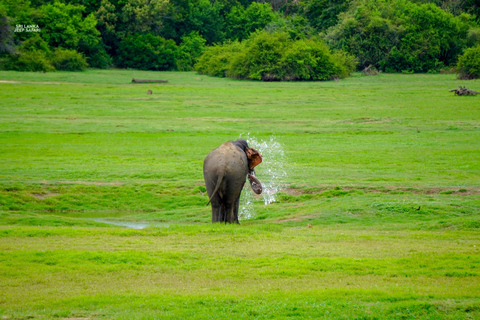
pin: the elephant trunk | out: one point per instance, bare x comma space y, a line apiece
255, 183
254, 158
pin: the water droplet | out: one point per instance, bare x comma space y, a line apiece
270, 172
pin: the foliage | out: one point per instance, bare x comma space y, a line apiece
64, 26
107, 18
215, 60
6, 33
203, 16
140, 17
273, 57
392, 35
35, 43
147, 52
33, 55
296, 26
260, 57
190, 49
397, 35
68, 60
469, 64
323, 14
242, 22
30, 61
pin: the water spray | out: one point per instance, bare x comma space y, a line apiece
271, 173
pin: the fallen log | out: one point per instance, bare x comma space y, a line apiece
147, 80
462, 91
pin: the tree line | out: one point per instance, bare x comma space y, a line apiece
246, 39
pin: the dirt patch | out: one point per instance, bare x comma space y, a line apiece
218, 119
457, 191
295, 219
367, 120
293, 192
8, 81
93, 183
43, 196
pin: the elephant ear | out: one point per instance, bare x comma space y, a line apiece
254, 157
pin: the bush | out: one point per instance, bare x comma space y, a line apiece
99, 58
469, 64
68, 60
32, 56
259, 58
30, 61
276, 57
147, 52
216, 60
307, 60
35, 43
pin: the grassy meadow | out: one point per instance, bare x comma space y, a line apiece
378, 216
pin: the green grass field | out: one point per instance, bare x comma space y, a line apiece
385, 170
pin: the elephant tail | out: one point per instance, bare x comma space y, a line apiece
219, 182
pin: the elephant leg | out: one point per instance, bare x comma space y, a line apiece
230, 214
236, 207
216, 211
221, 214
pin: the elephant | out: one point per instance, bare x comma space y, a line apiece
225, 170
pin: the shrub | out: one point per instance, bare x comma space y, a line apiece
32, 56
190, 49
215, 61
147, 52
469, 64
99, 58
259, 57
307, 60
35, 43
276, 57
68, 60
30, 61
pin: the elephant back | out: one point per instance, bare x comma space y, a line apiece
227, 158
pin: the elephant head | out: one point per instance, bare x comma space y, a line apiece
254, 158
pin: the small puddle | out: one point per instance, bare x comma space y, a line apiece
132, 225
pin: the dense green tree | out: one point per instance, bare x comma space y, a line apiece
242, 22
64, 26
147, 52
295, 25
107, 19
142, 17
473, 7
323, 14
203, 16
6, 32
398, 35
392, 35
189, 50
